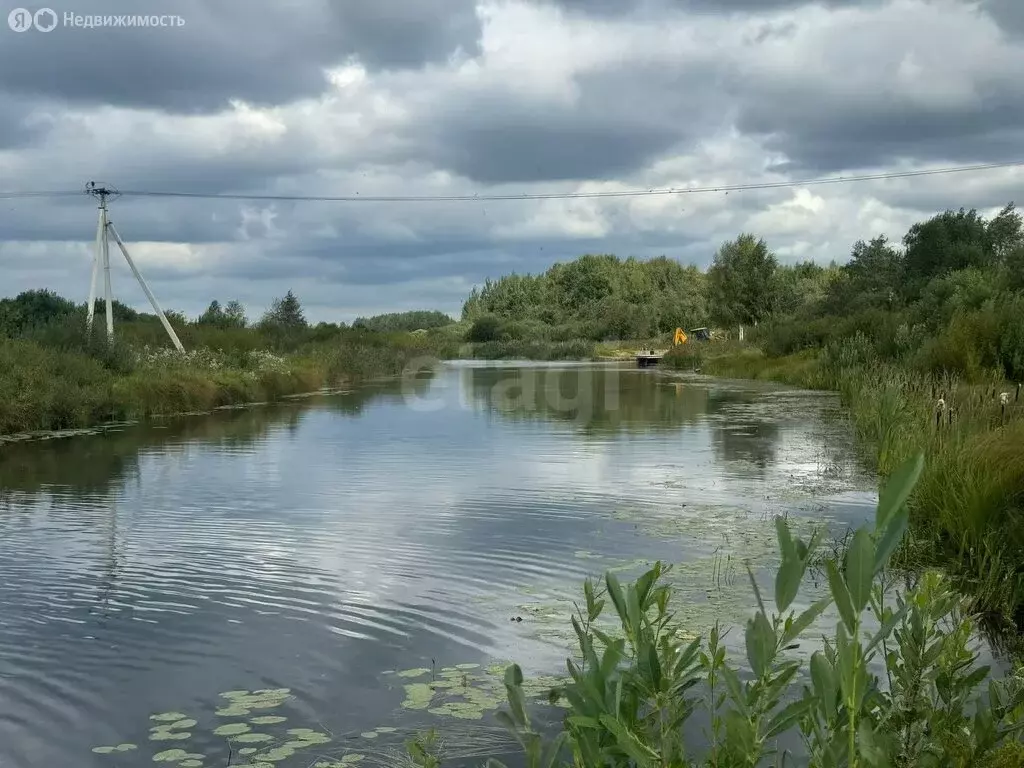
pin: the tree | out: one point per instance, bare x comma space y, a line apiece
230, 316
213, 315
740, 281
234, 315
871, 277
945, 243
31, 309
285, 313
1006, 232
403, 321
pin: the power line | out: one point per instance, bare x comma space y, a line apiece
357, 198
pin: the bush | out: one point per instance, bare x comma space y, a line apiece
484, 329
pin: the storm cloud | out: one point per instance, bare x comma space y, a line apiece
463, 98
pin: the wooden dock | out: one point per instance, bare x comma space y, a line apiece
648, 359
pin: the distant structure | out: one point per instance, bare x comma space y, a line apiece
101, 259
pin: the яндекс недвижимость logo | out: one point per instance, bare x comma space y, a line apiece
22, 19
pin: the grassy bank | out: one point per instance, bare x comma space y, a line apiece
968, 508
43, 388
52, 376
535, 349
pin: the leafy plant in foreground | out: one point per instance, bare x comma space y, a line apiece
901, 690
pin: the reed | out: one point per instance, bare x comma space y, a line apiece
967, 511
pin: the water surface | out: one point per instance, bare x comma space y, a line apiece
319, 546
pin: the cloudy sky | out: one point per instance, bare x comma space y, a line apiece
452, 97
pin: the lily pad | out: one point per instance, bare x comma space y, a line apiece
245, 751
170, 756
183, 724
308, 740
232, 729
190, 764
418, 696
418, 672
103, 750
253, 738
161, 735
168, 717
277, 755
268, 720
233, 711
369, 734
385, 729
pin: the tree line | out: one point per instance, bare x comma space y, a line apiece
953, 288
34, 310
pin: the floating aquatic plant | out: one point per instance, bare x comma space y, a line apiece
168, 717
459, 692
231, 729
252, 738
174, 756
418, 672
111, 750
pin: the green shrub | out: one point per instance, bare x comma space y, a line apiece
484, 329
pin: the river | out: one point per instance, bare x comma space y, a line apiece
319, 561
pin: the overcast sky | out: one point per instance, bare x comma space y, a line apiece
442, 97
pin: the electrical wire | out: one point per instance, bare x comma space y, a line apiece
357, 198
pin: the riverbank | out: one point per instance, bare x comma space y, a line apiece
44, 388
967, 511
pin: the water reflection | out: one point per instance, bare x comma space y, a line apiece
314, 545
599, 400
612, 400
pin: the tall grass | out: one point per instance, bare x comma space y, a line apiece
61, 385
968, 508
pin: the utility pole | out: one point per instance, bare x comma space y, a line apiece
101, 260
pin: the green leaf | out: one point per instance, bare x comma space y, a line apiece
760, 639
860, 570
791, 570
787, 717
652, 667
891, 539
871, 746
805, 619
823, 679
629, 743
851, 671
786, 546
732, 683
551, 754
897, 490
739, 736
644, 584
887, 627
618, 599
841, 595
513, 675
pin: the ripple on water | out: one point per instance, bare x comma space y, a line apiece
313, 552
